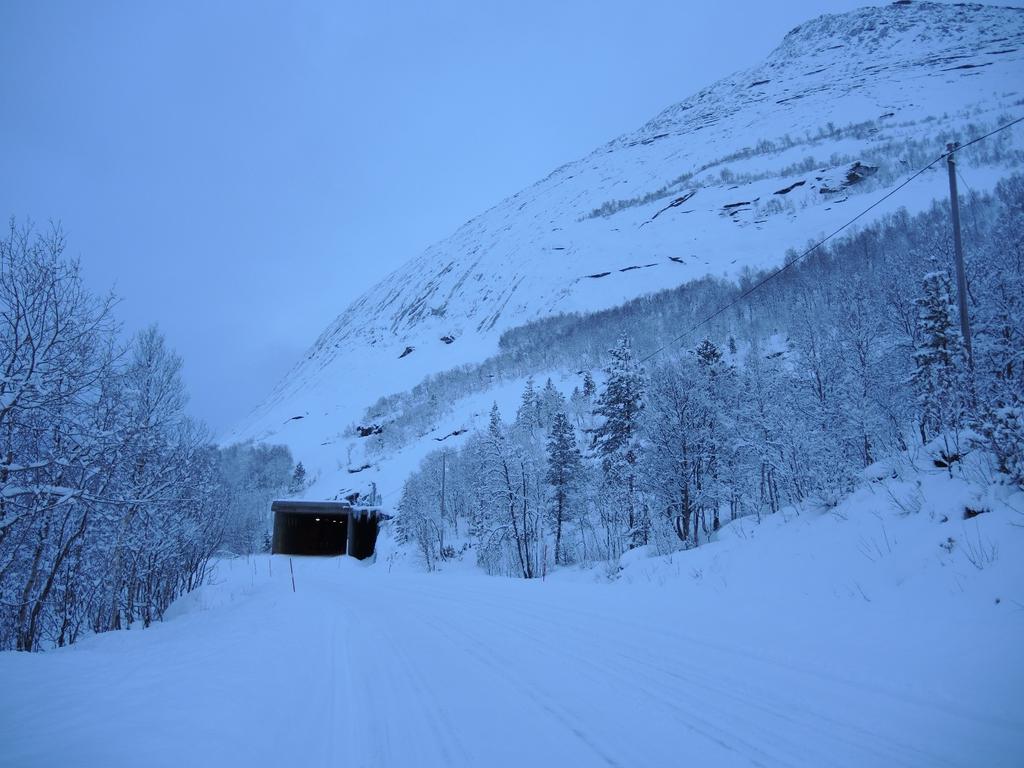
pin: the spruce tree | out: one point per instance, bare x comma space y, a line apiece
564, 473
708, 355
494, 426
298, 481
551, 402
617, 438
939, 378
710, 428
528, 414
589, 387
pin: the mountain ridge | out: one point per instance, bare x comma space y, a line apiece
724, 180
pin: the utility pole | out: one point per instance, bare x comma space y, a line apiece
961, 278
444, 468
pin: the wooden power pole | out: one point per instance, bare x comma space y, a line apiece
961, 278
444, 472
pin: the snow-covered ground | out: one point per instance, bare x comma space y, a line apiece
856, 637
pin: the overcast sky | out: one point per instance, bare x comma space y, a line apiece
239, 172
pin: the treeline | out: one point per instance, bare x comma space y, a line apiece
112, 500
850, 357
576, 342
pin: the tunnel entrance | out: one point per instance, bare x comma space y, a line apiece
302, 533
323, 528
362, 534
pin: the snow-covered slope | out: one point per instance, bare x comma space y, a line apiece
884, 633
729, 178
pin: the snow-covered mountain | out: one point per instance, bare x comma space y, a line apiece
725, 180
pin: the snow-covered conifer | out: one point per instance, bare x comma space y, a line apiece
617, 438
939, 377
564, 476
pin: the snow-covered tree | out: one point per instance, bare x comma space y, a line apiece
616, 441
298, 481
939, 379
998, 276
112, 501
564, 476
829, 368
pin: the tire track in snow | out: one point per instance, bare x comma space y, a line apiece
388, 659
740, 692
548, 704
371, 735
697, 724
825, 676
445, 639
860, 740
707, 730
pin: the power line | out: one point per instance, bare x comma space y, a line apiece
824, 240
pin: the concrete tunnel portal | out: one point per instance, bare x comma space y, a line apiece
324, 528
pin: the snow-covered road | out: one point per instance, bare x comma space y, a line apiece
360, 667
